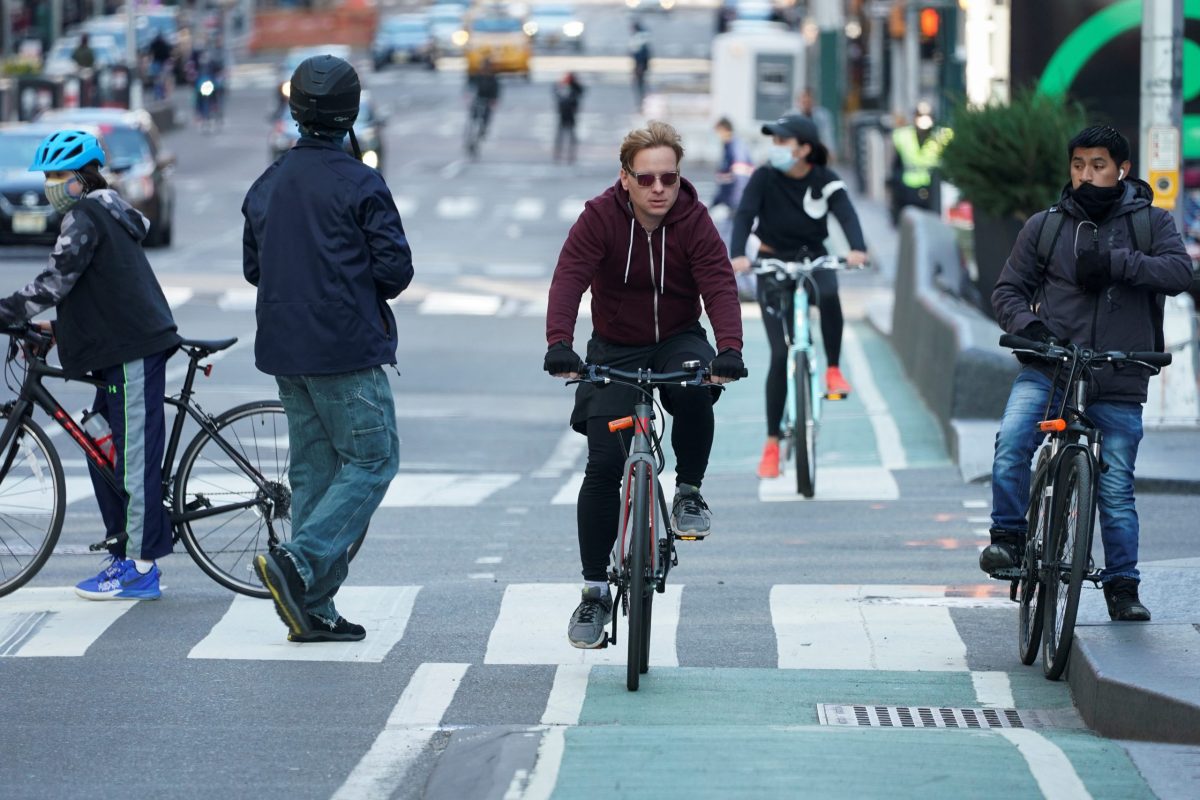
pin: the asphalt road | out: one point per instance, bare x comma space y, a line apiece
465, 686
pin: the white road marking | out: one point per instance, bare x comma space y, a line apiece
445, 489
529, 209
568, 493
39, 622
835, 483
993, 689
413, 722
178, 295
1053, 771
251, 630
865, 628
976, 504
545, 770
887, 434
482, 305
531, 628
570, 209
565, 703
458, 207
240, 299
482, 576
570, 447
405, 204
489, 559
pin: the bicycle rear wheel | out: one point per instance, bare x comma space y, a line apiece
1031, 593
804, 444
1068, 548
639, 604
32, 504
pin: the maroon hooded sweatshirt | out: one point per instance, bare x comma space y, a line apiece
646, 287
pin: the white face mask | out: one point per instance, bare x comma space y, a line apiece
781, 157
63, 192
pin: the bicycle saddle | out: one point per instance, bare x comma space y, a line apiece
207, 346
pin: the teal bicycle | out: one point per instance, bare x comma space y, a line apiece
805, 393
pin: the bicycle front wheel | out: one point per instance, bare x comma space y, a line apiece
240, 518
33, 499
804, 445
1067, 552
639, 587
1031, 592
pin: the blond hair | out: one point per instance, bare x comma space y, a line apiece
655, 134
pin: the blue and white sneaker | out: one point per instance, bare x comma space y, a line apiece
125, 583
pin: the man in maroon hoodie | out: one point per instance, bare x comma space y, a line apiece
649, 252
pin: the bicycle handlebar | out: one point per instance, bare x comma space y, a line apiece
600, 374
1054, 352
790, 269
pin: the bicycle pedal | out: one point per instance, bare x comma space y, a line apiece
835, 397
1010, 574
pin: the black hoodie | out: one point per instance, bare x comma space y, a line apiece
1120, 317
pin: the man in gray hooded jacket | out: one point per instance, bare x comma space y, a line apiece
1102, 290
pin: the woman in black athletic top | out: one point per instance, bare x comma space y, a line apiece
791, 197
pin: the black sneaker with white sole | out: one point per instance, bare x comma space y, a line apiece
588, 623
321, 631
690, 516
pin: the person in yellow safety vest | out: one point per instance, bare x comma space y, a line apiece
918, 151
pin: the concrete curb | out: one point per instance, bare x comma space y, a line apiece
1133, 681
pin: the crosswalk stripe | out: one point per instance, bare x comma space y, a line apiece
565, 703
411, 725
567, 452
177, 295
835, 483
458, 207
445, 489
568, 493
250, 629
528, 209
570, 209
241, 299
865, 628
38, 622
531, 628
460, 303
405, 204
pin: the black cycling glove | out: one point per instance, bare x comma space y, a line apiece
1093, 270
728, 364
1038, 332
561, 359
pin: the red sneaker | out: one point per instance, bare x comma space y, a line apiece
768, 466
836, 387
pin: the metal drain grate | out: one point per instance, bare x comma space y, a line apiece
926, 717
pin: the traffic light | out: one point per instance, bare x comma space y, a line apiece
929, 24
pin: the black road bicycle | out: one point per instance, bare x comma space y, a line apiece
1062, 503
644, 552
228, 499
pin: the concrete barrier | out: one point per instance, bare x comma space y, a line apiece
948, 348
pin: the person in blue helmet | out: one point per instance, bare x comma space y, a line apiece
113, 323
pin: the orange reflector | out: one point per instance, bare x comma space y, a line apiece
620, 424
1053, 425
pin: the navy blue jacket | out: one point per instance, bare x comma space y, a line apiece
324, 244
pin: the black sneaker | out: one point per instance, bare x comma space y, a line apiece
1121, 594
590, 619
321, 631
278, 573
1004, 553
689, 513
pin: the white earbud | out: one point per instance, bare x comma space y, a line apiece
1120, 174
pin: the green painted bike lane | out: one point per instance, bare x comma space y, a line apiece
755, 733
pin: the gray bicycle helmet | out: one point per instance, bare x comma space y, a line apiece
325, 93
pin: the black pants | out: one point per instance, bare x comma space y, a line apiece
691, 408
775, 299
565, 141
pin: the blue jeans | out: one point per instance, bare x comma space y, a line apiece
1017, 441
345, 452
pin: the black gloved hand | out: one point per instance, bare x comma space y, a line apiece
1093, 270
727, 364
1038, 332
561, 360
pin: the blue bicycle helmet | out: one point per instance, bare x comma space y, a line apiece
63, 151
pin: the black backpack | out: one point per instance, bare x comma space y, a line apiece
1141, 234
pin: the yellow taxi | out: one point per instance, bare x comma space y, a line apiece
500, 37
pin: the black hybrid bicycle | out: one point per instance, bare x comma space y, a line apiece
644, 552
229, 499
1062, 503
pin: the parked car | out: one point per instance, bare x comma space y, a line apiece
555, 26
26, 216
446, 21
58, 60
500, 37
136, 165
368, 129
404, 38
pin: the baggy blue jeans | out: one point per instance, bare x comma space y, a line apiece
345, 452
1017, 441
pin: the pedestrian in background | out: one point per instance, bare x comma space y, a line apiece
918, 150
733, 173
324, 244
114, 325
806, 105
83, 55
639, 50
567, 94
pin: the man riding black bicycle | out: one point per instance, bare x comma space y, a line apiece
486, 87
1060, 286
649, 252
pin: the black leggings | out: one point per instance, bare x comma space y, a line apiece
774, 298
599, 505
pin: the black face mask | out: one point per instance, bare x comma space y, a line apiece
1097, 201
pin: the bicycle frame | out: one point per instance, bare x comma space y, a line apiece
800, 341
641, 451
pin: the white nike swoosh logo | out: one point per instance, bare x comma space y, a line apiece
818, 207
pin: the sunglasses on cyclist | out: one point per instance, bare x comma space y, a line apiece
646, 179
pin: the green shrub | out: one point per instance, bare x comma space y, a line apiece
15, 67
1010, 160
